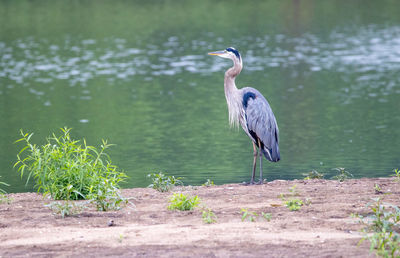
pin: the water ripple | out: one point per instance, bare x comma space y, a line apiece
369, 54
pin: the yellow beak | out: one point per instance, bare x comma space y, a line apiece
216, 53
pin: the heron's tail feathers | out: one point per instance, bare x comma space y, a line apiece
272, 154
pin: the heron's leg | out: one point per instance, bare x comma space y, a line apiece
254, 163
260, 152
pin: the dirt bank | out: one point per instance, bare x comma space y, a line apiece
323, 228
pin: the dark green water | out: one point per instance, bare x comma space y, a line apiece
137, 73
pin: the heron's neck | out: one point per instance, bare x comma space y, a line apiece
232, 93
230, 75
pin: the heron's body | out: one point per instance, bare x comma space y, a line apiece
248, 107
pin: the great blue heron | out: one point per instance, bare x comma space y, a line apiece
248, 107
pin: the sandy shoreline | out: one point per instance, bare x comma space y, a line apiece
323, 228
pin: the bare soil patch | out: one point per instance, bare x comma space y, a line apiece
323, 228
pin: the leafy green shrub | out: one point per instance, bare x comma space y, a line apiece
107, 196
182, 202
313, 174
342, 175
384, 224
162, 182
68, 170
208, 216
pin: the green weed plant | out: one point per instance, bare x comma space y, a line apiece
164, 183
382, 229
266, 216
106, 196
5, 199
342, 174
66, 208
252, 215
183, 202
294, 204
5, 184
208, 183
246, 214
208, 216
396, 174
68, 169
313, 174
292, 192
378, 189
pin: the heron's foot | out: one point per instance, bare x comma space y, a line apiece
249, 183
260, 182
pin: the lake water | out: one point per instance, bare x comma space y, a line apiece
137, 73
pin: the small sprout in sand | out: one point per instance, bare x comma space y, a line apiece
208, 183
120, 238
5, 199
182, 202
355, 215
66, 208
342, 175
266, 216
208, 216
163, 183
251, 216
396, 174
313, 174
307, 201
292, 192
3, 183
378, 189
294, 204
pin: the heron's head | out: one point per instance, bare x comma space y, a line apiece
230, 53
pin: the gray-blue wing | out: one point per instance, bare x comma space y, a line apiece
261, 123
